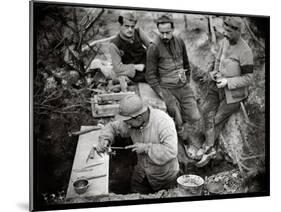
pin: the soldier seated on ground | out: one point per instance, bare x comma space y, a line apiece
128, 49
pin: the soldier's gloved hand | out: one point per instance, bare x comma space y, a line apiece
139, 148
102, 145
139, 67
221, 83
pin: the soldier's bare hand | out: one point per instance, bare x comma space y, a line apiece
102, 145
221, 83
138, 148
139, 67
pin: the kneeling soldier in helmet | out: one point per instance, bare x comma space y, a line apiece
154, 138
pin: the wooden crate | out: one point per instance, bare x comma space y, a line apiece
113, 96
110, 109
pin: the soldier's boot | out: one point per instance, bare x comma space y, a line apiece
182, 134
206, 158
209, 141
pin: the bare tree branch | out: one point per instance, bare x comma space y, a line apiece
253, 35
89, 45
92, 23
59, 43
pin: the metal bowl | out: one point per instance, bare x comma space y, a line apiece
81, 186
190, 185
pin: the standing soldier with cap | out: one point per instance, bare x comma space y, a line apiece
154, 140
128, 49
168, 73
232, 74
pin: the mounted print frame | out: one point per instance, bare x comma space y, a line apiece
143, 105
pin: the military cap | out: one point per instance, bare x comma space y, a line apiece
129, 15
130, 106
234, 23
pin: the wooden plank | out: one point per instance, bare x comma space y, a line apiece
98, 186
149, 97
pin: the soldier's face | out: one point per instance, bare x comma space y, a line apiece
165, 31
232, 33
127, 29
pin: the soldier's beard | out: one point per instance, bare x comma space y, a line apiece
137, 127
